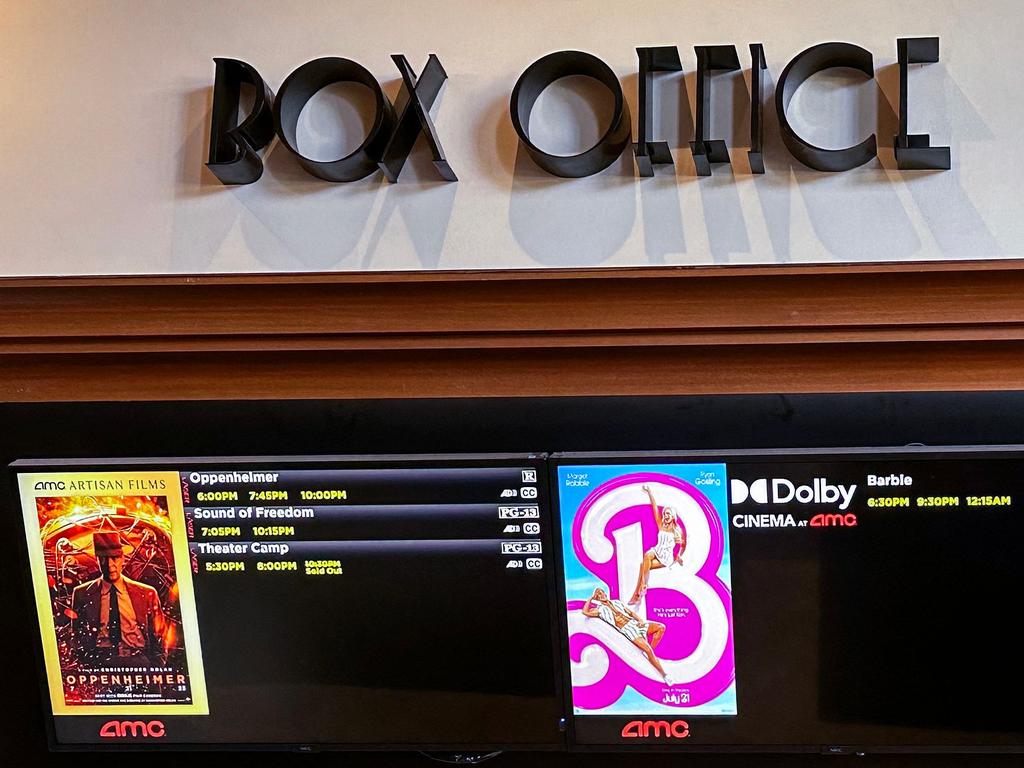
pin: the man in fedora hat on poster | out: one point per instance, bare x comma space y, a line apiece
116, 621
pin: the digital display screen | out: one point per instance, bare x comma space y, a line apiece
807, 600
648, 592
804, 600
392, 602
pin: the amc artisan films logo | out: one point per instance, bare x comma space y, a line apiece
132, 729
235, 144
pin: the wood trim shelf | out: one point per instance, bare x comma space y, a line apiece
881, 327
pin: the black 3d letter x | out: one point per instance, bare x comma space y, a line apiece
412, 108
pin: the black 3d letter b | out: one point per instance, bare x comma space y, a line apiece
234, 146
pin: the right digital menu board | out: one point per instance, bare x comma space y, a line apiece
843, 601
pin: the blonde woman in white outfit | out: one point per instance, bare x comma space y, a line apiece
670, 533
645, 635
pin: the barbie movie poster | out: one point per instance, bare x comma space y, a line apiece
648, 589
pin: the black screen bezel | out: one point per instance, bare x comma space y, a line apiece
717, 424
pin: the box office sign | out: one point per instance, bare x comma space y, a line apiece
235, 145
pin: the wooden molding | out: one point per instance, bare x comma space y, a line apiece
639, 331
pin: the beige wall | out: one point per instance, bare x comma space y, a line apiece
106, 113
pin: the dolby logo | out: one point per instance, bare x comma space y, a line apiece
778, 490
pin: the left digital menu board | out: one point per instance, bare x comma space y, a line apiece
296, 602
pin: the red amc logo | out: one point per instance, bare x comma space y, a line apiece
849, 520
132, 729
645, 729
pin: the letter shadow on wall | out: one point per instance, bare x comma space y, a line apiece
660, 203
954, 221
326, 222
424, 204
564, 222
292, 221
720, 199
856, 215
297, 222
774, 194
203, 214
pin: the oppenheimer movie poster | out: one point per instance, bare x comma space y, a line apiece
113, 588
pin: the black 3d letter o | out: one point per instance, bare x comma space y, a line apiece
300, 86
543, 73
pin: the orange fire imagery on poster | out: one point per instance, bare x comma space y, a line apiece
113, 587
